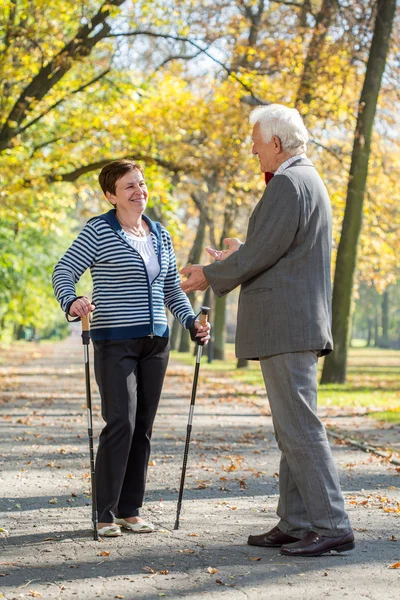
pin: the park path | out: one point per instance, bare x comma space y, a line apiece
231, 491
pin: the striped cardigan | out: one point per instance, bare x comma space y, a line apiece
127, 305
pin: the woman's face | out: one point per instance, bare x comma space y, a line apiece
130, 193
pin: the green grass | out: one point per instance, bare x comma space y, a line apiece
373, 379
391, 416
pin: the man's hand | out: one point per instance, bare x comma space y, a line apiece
234, 245
196, 279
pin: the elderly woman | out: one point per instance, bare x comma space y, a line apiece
134, 273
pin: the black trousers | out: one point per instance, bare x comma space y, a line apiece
130, 375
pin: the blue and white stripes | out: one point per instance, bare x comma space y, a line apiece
127, 305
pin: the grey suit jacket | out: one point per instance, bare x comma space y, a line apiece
283, 268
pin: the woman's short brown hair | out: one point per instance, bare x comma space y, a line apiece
113, 171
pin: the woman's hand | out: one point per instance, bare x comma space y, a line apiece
202, 331
234, 245
81, 307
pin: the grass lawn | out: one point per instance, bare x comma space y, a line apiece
373, 379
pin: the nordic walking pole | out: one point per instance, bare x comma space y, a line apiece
203, 320
86, 342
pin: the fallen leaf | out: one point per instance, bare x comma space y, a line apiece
119, 596
34, 594
395, 566
152, 463
104, 553
164, 572
53, 501
149, 570
254, 557
212, 570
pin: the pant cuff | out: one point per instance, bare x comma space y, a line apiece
126, 514
286, 528
332, 533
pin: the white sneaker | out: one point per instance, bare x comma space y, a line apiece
111, 530
140, 527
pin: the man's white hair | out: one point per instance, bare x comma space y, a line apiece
284, 123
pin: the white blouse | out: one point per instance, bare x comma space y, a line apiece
145, 247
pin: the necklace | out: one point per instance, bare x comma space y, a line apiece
137, 231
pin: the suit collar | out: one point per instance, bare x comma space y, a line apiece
301, 162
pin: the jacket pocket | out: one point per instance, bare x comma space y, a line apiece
258, 290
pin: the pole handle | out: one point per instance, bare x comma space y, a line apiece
85, 330
85, 323
204, 315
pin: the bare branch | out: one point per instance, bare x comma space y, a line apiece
289, 3
178, 38
146, 158
46, 143
81, 45
53, 106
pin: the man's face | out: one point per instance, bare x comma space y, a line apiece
130, 192
266, 151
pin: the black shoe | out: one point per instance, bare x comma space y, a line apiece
314, 544
272, 539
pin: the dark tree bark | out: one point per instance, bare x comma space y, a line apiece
369, 333
53, 71
385, 339
334, 369
242, 363
323, 22
194, 258
376, 330
174, 337
219, 328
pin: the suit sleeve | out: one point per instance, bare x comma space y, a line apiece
274, 229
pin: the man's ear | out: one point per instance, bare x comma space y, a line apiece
277, 144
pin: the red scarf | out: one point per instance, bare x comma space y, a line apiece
268, 176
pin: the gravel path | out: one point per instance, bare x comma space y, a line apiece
231, 492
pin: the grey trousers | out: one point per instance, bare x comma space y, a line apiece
309, 490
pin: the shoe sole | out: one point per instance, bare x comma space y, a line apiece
342, 548
266, 545
272, 545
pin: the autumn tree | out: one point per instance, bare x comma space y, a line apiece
335, 365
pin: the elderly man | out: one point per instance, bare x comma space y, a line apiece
284, 318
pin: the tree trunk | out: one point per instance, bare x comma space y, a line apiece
385, 340
334, 369
242, 363
208, 300
369, 334
376, 330
219, 328
312, 61
174, 337
194, 258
